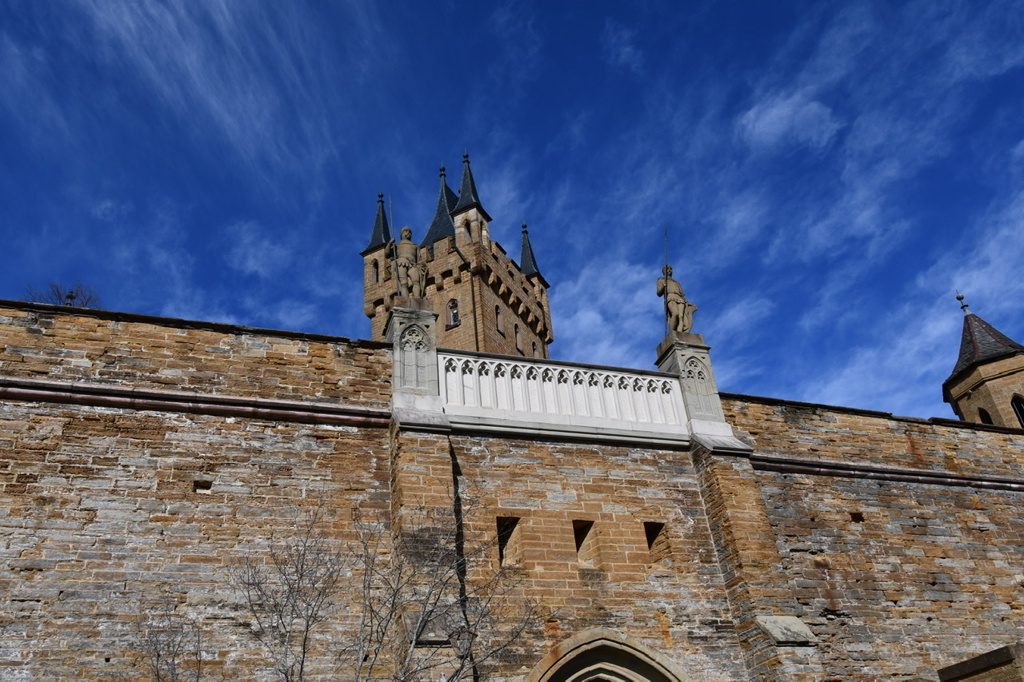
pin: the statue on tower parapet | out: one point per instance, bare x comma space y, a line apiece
412, 273
678, 311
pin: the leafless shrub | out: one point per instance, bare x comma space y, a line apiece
291, 592
421, 597
77, 295
434, 600
171, 647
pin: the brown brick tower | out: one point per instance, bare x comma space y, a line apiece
987, 383
485, 301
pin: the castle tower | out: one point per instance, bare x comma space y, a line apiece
987, 383
485, 301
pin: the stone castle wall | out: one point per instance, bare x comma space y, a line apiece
141, 459
898, 541
113, 516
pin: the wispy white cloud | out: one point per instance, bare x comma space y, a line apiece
254, 251
111, 210
252, 75
608, 311
986, 266
517, 46
789, 119
31, 94
620, 49
901, 365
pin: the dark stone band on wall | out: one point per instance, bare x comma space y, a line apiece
812, 467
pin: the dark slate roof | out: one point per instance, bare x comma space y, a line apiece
527, 263
381, 233
981, 343
442, 226
467, 192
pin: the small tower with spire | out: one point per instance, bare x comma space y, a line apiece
486, 301
378, 284
987, 383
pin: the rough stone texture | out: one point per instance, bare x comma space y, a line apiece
101, 525
895, 579
153, 353
786, 630
1005, 664
673, 602
898, 542
494, 298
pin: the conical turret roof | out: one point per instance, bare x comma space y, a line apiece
981, 343
527, 263
467, 192
442, 226
381, 234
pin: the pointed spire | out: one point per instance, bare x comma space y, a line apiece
467, 192
527, 263
442, 226
980, 343
381, 232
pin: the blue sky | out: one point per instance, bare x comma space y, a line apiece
829, 172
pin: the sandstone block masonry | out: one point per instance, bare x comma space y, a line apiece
141, 459
898, 540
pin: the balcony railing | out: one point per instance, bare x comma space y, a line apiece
537, 396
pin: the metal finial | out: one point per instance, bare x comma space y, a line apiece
442, 171
963, 306
465, 157
524, 228
380, 196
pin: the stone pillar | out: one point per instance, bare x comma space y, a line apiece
423, 482
687, 355
415, 393
775, 643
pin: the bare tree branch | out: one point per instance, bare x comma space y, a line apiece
172, 648
292, 593
77, 295
438, 603
424, 597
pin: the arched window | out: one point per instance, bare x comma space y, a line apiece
1018, 409
453, 314
983, 416
376, 272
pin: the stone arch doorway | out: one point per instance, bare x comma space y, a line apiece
604, 656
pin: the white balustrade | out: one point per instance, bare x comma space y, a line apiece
539, 396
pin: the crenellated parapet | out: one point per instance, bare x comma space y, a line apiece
486, 301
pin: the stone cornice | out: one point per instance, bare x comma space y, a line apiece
101, 395
817, 467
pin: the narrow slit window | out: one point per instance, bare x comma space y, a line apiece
1018, 408
453, 314
983, 416
586, 542
497, 319
509, 551
657, 541
376, 272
